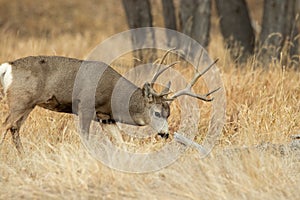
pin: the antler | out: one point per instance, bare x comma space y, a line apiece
167, 88
158, 73
188, 91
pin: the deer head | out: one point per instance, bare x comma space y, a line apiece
156, 108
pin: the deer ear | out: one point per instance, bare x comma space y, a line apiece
147, 91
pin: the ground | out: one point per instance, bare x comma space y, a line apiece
262, 108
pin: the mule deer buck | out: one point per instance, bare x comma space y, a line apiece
47, 81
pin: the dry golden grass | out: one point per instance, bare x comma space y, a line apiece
262, 106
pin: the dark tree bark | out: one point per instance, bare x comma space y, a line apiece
236, 28
195, 19
278, 27
296, 40
139, 15
292, 33
169, 14
170, 20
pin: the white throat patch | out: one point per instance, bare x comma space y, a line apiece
6, 76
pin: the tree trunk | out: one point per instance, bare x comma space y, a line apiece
139, 15
195, 19
169, 14
170, 20
291, 34
236, 28
296, 50
278, 27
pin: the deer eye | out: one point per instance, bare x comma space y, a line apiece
157, 114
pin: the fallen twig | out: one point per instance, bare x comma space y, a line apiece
188, 142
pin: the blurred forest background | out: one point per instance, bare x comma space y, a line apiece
267, 29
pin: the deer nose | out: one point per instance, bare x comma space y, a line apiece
164, 135
164, 128
164, 131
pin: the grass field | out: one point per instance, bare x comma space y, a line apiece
263, 106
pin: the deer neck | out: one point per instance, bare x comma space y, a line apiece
128, 103
138, 108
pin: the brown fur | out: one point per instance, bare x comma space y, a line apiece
48, 81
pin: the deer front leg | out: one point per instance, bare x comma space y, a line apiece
85, 119
86, 114
113, 130
109, 125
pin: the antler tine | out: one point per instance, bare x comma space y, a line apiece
187, 90
203, 97
211, 92
160, 72
166, 90
200, 57
165, 55
198, 75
